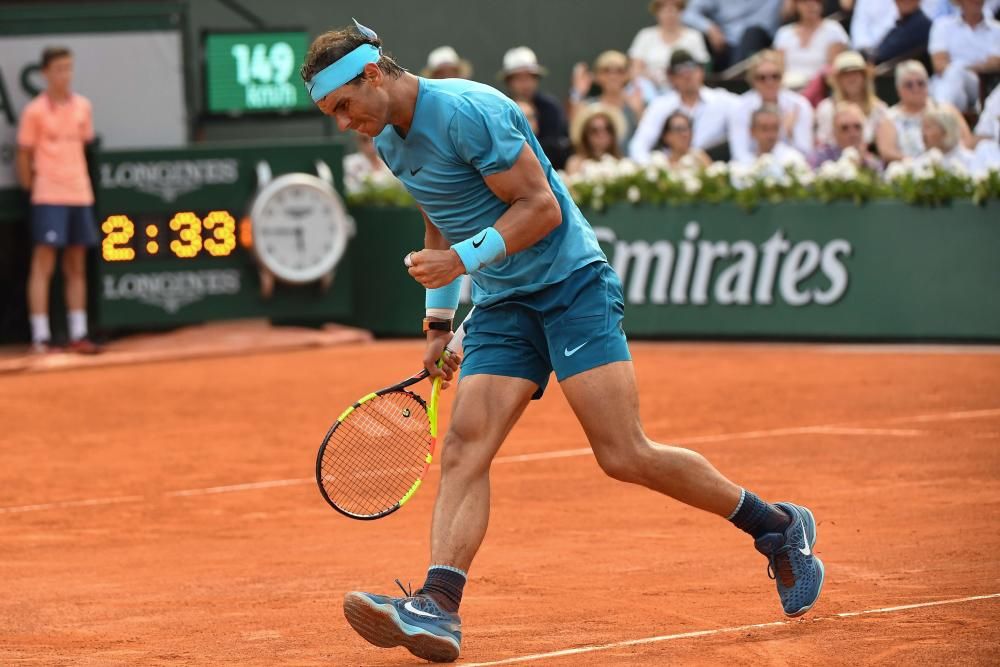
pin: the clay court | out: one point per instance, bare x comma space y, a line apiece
165, 513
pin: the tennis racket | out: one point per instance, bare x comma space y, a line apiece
376, 454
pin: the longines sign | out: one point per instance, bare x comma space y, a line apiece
169, 179
171, 290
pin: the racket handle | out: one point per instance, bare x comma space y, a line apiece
455, 344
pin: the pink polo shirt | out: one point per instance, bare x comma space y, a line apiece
56, 133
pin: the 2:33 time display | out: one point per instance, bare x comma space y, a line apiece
185, 236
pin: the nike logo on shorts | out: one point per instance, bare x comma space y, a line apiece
569, 353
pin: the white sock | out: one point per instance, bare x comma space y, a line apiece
40, 329
77, 324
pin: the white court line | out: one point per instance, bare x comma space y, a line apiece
70, 503
719, 631
239, 487
821, 429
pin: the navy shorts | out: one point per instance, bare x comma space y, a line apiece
62, 226
569, 327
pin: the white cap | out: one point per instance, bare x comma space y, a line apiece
520, 59
444, 56
441, 56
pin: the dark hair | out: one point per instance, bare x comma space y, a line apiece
54, 53
666, 126
333, 45
588, 150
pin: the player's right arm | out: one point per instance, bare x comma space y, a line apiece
437, 340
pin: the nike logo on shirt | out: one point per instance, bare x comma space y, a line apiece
413, 172
408, 606
569, 353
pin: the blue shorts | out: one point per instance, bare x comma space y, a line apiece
569, 327
61, 226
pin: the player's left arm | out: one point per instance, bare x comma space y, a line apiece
533, 212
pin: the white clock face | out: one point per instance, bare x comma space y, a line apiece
299, 227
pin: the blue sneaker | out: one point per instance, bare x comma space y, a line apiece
792, 564
415, 622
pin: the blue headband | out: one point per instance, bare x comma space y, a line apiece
342, 71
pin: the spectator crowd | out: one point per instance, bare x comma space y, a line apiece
789, 81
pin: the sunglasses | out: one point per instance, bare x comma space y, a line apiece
774, 76
914, 84
844, 127
679, 128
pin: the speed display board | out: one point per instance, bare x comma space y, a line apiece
255, 72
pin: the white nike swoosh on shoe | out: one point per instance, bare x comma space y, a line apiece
569, 353
408, 606
807, 550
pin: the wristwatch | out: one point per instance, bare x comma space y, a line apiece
436, 325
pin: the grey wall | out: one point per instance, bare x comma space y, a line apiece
561, 32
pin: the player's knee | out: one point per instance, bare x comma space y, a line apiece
464, 455
624, 462
43, 262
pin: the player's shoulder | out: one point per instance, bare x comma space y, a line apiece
463, 96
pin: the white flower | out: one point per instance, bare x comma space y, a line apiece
652, 174
958, 169
827, 171
740, 176
717, 169
896, 171
688, 163
851, 153
806, 177
692, 185
846, 170
797, 162
627, 168
659, 160
934, 156
770, 181
633, 194
924, 172
599, 190
596, 203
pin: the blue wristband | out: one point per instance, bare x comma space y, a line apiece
444, 297
481, 250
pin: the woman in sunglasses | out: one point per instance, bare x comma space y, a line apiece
612, 79
675, 141
852, 81
900, 134
765, 76
594, 132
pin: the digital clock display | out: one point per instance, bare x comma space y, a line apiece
185, 235
255, 72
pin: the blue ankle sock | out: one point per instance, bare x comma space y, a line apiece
445, 584
756, 517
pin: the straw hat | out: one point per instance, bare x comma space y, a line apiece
849, 61
444, 56
583, 117
520, 59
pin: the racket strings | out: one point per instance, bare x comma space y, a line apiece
376, 454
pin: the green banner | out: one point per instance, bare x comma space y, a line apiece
802, 270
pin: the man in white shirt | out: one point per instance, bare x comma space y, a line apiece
797, 113
961, 47
708, 109
871, 21
765, 128
988, 132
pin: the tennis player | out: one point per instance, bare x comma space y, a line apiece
546, 300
